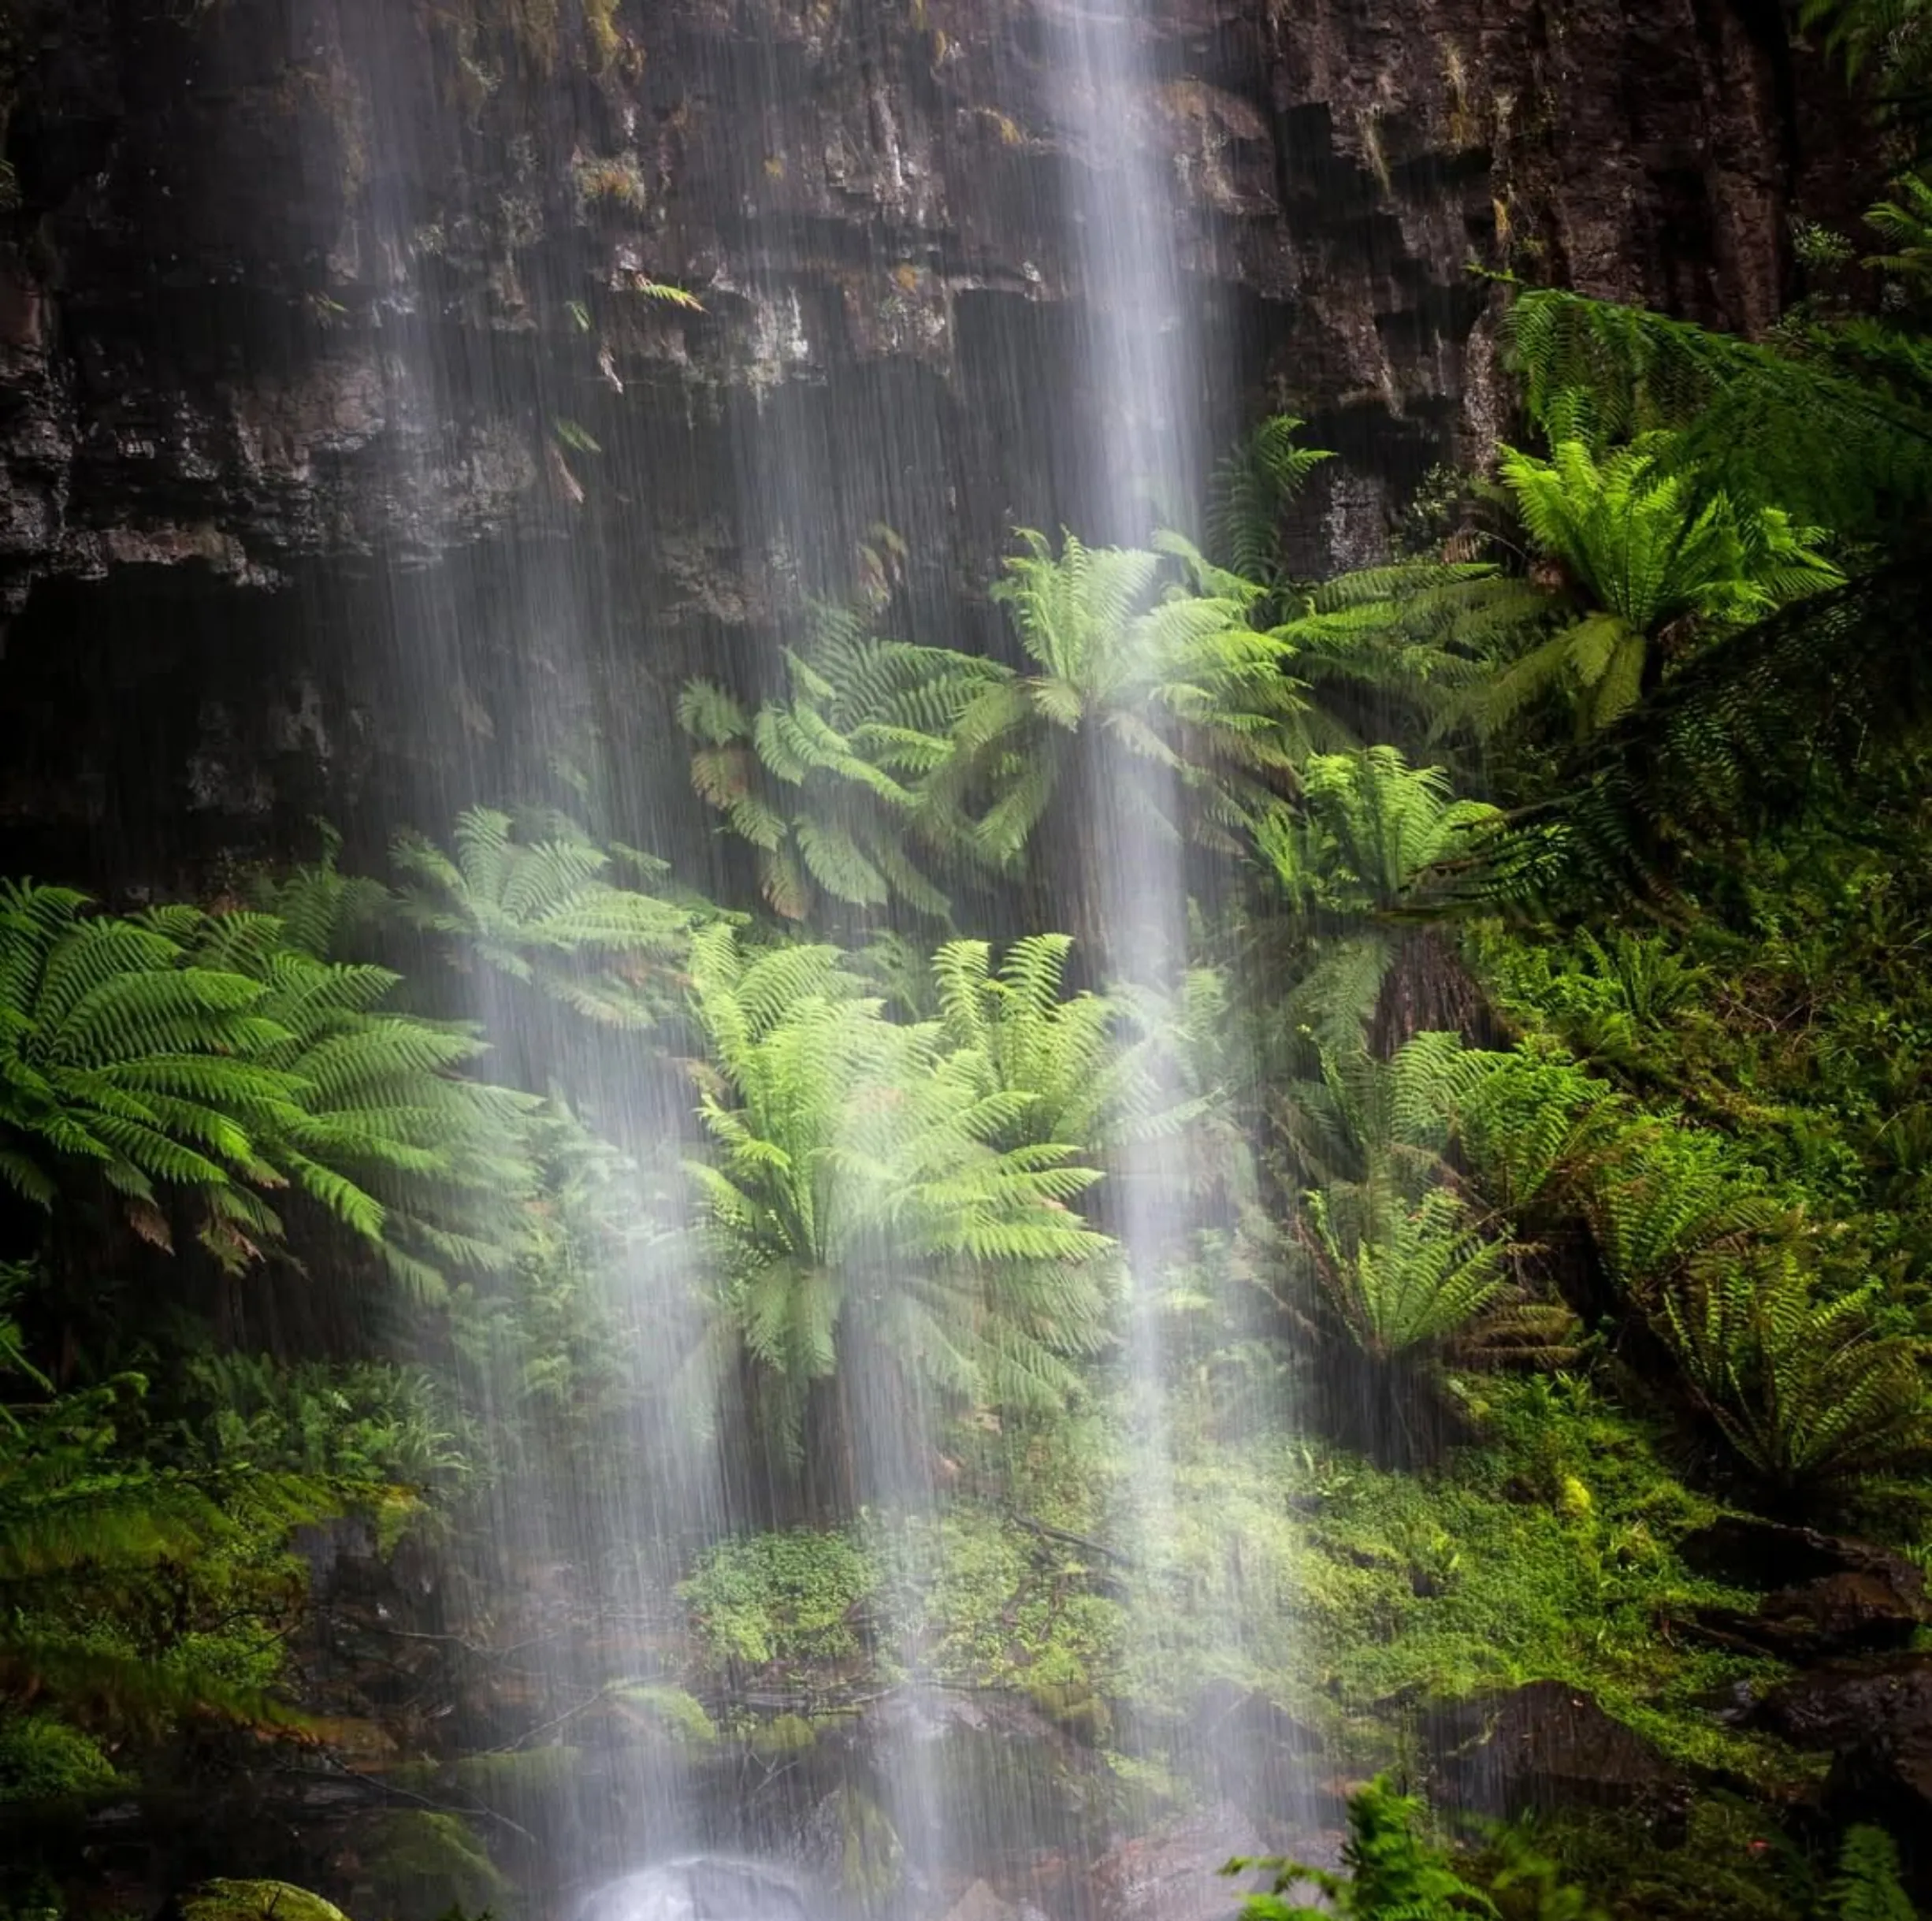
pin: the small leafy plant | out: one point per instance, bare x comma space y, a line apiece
1391, 1873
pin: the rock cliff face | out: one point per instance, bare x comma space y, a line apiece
319, 318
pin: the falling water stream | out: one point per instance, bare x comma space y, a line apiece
618, 1531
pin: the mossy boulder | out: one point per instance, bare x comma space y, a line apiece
1074, 1708
782, 1734
254, 1900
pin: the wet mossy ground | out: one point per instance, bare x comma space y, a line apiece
1356, 1600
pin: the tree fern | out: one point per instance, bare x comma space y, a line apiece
1807, 1391
1664, 1194
1390, 1120
1367, 826
1093, 1069
123, 1059
1400, 1253
1537, 1130
1401, 1275
534, 901
869, 1181
1832, 422
384, 1130
1652, 562
1888, 43
1904, 224
1783, 424
1758, 729
1137, 657
830, 784
1399, 647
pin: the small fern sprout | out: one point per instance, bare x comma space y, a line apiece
1867, 1886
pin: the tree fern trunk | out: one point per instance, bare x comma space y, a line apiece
1429, 990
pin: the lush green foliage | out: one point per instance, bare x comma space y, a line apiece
1368, 827
225, 1059
1867, 1886
1393, 1870
938, 1212
1652, 563
878, 1180
546, 912
1139, 658
126, 1060
832, 785
1389, 1873
779, 1598
135, 1591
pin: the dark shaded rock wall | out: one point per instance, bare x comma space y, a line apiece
303, 300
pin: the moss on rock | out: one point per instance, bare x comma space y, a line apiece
256, 1900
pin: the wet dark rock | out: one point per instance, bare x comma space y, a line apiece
237, 397
1545, 1746
1875, 1718
1843, 1704
1173, 1874
287, 345
1733, 1705
1226, 1718
1829, 1595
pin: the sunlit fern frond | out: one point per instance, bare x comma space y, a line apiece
859, 1167
122, 1058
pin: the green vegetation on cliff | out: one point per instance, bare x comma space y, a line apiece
1523, 1174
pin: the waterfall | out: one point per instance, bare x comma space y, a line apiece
824, 468
491, 665
1149, 409
1143, 379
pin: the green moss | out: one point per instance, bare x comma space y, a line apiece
779, 1598
1494, 1573
871, 1860
532, 29
671, 1710
1076, 1708
508, 1781
600, 30
980, 1600
41, 1758
782, 1734
423, 1864
1350, 1596
256, 1900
